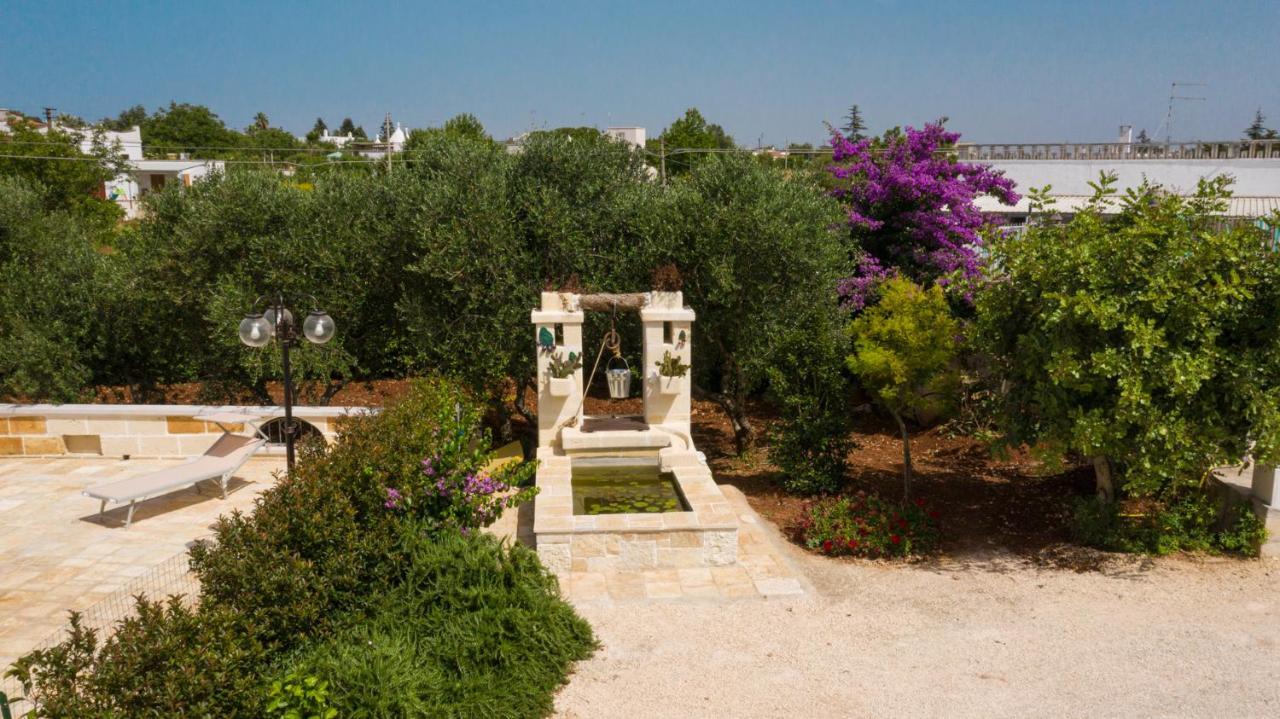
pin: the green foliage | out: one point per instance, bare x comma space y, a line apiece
690, 132
753, 248
168, 660
299, 697
128, 119
183, 127
56, 291
1192, 522
74, 184
318, 542
904, 347
1143, 338
671, 366
865, 525
350, 128
807, 383
322, 550
474, 629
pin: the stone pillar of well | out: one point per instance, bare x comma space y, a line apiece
668, 327
560, 316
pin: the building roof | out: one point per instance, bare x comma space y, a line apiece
1249, 207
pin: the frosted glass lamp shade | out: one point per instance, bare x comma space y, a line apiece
270, 316
255, 331
318, 327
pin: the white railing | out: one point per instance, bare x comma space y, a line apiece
1200, 150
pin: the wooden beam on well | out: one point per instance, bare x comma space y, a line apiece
607, 302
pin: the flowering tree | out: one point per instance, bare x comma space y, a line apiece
910, 208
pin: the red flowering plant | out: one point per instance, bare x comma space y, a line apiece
866, 525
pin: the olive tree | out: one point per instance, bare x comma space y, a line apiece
1144, 340
53, 289
755, 250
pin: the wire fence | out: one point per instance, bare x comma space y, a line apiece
171, 577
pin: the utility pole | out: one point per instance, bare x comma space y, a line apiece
1173, 95
663, 144
386, 138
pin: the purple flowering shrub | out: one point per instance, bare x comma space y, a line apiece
457, 495
427, 458
910, 208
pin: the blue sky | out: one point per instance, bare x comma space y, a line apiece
773, 71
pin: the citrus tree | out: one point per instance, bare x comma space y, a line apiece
1140, 334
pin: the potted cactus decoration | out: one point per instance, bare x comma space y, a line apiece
671, 374
561, 381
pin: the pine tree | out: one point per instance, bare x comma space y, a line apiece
1259, 130
1142, 137
317, 131
854, 126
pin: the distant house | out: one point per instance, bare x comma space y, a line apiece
335, 140
377, 149
128, 189
634, 136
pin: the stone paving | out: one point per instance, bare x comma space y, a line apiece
56, 554
762, 570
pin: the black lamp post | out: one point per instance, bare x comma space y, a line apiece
257, 330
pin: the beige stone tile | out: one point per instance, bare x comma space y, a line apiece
625, 585
588, 586
663, 590
26, 425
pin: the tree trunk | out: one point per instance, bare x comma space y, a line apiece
1106, 484
331, 390
743, 432
521, 386
906, 456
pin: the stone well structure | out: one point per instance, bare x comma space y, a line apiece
706, 534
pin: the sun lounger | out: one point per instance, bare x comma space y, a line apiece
220, 462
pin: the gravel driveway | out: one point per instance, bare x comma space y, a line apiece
993, 636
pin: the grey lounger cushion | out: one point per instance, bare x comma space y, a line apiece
221, 460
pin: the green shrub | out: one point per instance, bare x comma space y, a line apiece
474, 629
904, 347
866, 525
811, 448
1144, 340
298, 697
810, 442
168, 660
323, 540
322, 545
1192, 522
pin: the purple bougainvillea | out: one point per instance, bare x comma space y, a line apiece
910, 208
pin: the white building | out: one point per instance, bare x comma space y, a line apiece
1069, 168
335, 140
128, 143
634, 136
378, 150
128, 189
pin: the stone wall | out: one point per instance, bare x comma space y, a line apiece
132, 430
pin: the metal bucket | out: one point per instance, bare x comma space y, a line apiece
619, 379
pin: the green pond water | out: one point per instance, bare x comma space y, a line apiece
625, 489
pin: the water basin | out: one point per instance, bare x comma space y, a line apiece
604, 486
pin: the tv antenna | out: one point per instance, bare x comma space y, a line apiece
1175, 97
